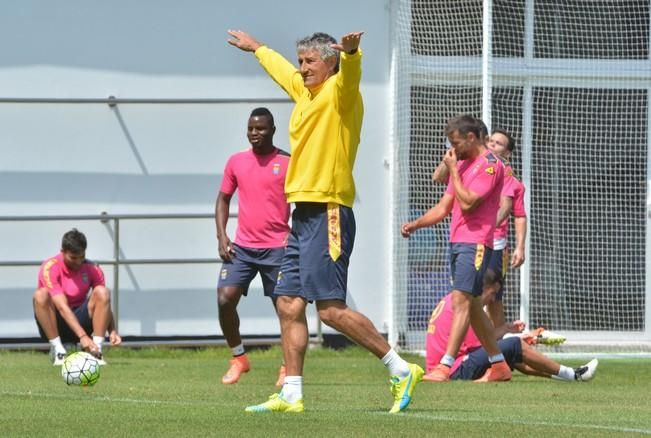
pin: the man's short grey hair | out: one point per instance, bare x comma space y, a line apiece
321, 42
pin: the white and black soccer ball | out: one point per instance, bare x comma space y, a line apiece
80, 368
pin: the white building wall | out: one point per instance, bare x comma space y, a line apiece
81, 158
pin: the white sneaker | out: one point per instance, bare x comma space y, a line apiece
56, 358
546, 337
100, 359
586, 372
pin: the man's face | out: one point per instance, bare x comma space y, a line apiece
315, 70
462, 144
260, 132
74, 260
497, 143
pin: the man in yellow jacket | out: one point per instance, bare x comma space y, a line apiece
324, 133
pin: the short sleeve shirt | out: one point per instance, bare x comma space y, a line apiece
55, 276
483, 176
263, 211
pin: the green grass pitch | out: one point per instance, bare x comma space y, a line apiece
174, 392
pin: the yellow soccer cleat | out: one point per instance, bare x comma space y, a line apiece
403, 389
277, 404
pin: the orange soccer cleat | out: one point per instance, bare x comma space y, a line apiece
239, 365
440, 373
498, 372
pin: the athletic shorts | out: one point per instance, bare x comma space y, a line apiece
65, 333
246, 263
468, 263
315, 266
476, 363
499, 262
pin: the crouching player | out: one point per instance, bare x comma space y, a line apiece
72, 302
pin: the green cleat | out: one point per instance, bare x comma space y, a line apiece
403, 389
277, 404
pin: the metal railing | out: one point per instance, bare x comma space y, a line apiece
117, 259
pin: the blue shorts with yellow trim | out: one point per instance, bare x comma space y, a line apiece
499, 262
315, 265
246, 263
468, 263
476, 363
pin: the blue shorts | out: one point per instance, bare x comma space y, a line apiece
499, 262
315, 266
476, 363
468, 263
246, 263
65, 333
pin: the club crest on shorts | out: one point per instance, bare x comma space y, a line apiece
279, 278
275, 168
224, 274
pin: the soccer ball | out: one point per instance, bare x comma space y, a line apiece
80, 368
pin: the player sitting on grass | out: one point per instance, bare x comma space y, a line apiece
72, 302
472, 360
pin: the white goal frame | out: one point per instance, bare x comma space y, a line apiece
529, 72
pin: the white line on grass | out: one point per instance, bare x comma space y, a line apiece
525, 423
104, 398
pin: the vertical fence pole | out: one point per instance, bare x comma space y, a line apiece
116, 272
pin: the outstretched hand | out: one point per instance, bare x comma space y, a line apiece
349, 42
243, 41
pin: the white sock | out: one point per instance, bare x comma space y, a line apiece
98, 340
496, 358
292, 389
565, 373
447, 360
238, 350
396, 365
58, 346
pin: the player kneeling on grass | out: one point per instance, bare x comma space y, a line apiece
472, 361
72, 301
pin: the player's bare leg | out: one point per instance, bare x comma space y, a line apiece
45, 312
294, 333
461, 320
499, 370
229, 320
99, 310
356, 326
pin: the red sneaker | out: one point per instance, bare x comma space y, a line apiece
440, 373
239, 365
498, 372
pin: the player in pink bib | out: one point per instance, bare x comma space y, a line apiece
258, 175
473, 197
72, 301
512, 204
